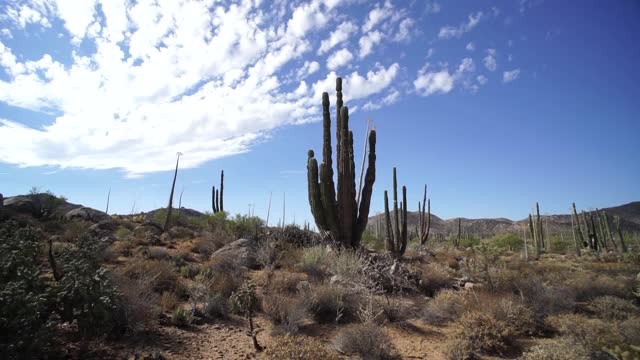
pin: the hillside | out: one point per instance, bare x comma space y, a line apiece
628, 213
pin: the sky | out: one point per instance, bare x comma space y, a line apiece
494, 104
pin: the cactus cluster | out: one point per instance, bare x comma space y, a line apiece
536, 232
396, 233
425, 218
600, 235
337, 212
217, 196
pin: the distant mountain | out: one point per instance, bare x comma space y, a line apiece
629, 218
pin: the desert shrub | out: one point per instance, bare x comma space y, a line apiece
163, 275
445, 307
225, 274
24, 294
158, 253
612, 308
180, 317
299, 347
168, 301
123, 248
509, 242
587, 287
314, 260
433, 278
122, 233
212, 240
630, 330
347, 265
511, 311
267, 253
591, 334
559, 349
216, 306
140, 302
294, 235
366, 341
394, 310
189, 271
282, 282
478, 333
74, 230
285, 312
243, 226
333, 304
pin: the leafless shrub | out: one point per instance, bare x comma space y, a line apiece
612, 308
299, 347
366, 341
140, 301
445, 307
285, 312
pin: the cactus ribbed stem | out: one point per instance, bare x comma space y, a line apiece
425, 218
396, 239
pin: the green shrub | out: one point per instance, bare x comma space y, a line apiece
509, 242
180, 317
314, 260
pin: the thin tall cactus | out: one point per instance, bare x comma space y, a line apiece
425, 218
108, 198
336, 212
173, 186
534, 237
456, 242
397, 239
573, 230
540, 231
217, 196
616, 223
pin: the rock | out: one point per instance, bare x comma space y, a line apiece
22, 204
104, 228
469, 285
241, 250
147, 228
86, 214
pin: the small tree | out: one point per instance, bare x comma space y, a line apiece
245, 301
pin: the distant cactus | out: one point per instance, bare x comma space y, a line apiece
336, 212
173, 186
1, 201
616, 223
576, 221
396, 239
539, 230
425, 219
217, 196
575, 228
534, 236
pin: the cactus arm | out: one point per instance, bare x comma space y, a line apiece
403, 246
315, 197
367, 190
387, 220
221, 190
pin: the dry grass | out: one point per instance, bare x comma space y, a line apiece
591, 334
168, 301
333, 304
435, 277
445, 307
366, 341
161, 274
286, 313
299, 347
478, 333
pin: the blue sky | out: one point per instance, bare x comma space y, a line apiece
495, 105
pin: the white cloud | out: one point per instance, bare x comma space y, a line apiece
442, 81
205, 80
404, 30
490, 60
509, 76
470, 46
368, 41
340, 35
339, 58
377, 15
448, 32
391, 98
482, 79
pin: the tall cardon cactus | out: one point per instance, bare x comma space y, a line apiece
336, 211
396, 239
425, 218
217, 196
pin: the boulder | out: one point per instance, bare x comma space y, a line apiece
242, 250
104, 230
22, 204
86, 214
147, 228
180, 232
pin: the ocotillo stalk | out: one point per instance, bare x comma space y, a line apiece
343, 219
180, 199
576, 221
364, 158
108, 198
575, 238
623, 245
173, 186
269, 207
425, 218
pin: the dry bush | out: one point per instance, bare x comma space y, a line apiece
205, 299
123, 248
189, 271
140, 301
445, 307
299, 347
161, 274
282, 282
285, 312
366, 341
226, 275
216, 306
559, 349
168, 301
211, 241
333, 304
612, 308
434, 277
394, 310
347, 265
587, 287
158, 253
630, 330
314, 261
290, 257
591, 334
478, 333
74, 229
